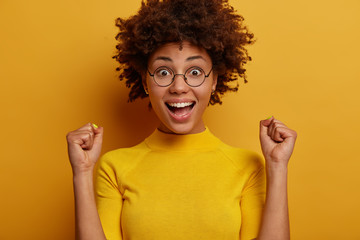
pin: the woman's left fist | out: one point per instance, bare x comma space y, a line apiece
277, 141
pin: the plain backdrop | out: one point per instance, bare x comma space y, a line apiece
57, 74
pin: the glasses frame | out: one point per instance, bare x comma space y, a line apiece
175, 74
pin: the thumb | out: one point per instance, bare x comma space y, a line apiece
264, 124
98, 137
99, 132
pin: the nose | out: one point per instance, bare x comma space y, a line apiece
179, 85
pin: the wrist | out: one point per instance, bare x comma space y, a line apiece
276, 166
83, 173
276, 170
83, 182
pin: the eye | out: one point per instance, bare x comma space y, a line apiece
195, 72
163, 72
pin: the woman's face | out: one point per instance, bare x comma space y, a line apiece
179, 106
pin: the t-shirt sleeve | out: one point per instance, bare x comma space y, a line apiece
108, 198
252, 203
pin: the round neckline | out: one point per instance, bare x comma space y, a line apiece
159, 140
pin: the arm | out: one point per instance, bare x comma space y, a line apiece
275, 218
84, 147
277, 143
87, 221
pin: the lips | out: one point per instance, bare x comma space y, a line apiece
180, 110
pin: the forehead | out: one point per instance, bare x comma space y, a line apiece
179, 52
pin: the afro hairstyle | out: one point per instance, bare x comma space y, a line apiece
211, 24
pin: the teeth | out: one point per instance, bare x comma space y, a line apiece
180, 105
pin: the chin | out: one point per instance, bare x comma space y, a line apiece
181, 128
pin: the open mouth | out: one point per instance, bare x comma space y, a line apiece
180, 109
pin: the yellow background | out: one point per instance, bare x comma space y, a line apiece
57, 74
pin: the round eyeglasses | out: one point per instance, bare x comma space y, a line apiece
164, 76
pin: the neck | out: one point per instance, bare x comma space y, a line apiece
159, 140
182, 129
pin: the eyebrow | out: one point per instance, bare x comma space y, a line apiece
188, 59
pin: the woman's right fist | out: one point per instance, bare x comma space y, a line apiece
84, 147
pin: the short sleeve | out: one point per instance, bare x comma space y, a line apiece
108, 199
252, 204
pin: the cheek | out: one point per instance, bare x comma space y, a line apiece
156, 97
205, 92
203, 97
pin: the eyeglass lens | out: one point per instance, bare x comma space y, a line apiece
194, 76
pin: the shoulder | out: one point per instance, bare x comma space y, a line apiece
120, 159
243, 159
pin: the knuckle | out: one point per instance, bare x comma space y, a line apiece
85, 138
69, 135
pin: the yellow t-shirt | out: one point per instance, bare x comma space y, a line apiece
180, 187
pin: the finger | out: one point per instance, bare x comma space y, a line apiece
290, 136
277, 134
84, 139
77, 143
87, 126
284, 134
98, 138
95, 134
275, 131
264, 125
89, 136
98, 132
273, 126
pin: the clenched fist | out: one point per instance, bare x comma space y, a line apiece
277, 141
84, 147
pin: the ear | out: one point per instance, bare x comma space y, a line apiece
144, 83
215, 78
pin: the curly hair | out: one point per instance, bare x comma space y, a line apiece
211, 24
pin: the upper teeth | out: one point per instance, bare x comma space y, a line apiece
180, 105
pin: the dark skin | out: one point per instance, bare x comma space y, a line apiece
226, 47
277, 142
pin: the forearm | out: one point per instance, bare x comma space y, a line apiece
275, 219
87, 221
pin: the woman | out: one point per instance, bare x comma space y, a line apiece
182, 182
